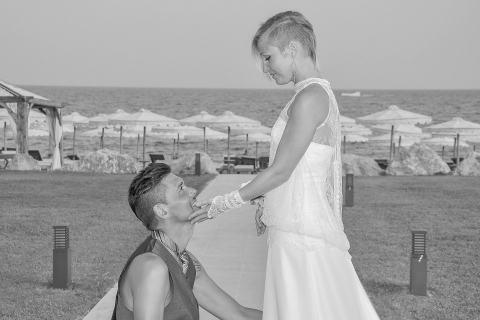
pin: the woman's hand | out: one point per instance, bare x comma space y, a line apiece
258, 223
200, 215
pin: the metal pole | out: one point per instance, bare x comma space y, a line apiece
178, 145
344, 144
399, 142
391, 143
246, 146
5, 136
206, 147
204, 139
174, 144
454, 146
458, 145
101, 138
144, 136
138, 142
121, 135
228, 151
74, 132
394, 149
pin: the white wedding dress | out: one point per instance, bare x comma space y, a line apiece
309, 270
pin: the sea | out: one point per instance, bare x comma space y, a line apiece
260, 104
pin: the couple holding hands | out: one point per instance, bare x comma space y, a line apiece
299, 197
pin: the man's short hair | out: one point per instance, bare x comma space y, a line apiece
146, 190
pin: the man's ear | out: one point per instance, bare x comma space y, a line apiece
162, 211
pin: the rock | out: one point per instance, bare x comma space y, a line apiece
360, 166
417, 160
470, 166
104, 161
24, 162
186, 164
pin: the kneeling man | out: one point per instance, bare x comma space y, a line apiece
161, 280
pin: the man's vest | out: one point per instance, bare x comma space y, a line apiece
183, 305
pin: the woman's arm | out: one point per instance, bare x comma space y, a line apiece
307, 112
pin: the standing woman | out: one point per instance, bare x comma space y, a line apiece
309, 270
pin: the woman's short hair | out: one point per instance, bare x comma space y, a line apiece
283, 28
146, 191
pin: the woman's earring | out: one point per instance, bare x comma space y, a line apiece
294, 71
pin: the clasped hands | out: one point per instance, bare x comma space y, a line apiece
203, 206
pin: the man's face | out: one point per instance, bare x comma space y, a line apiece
179, 197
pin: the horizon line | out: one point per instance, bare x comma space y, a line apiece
209, 88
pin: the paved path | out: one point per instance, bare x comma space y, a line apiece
228, 248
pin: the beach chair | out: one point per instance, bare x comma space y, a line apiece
35, 154
249, 161
73, 157
6, 156
382, 163
156, 156
263, 163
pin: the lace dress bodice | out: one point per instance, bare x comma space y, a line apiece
307, 209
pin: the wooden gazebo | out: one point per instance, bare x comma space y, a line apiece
19, 102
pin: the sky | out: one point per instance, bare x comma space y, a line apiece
362, 44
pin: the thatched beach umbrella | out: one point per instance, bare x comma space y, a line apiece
198, 120
386, 138
247, 131
206, 134
395, 115
355, 129
98, 121
407, 129
453, 127
443, 142
256, 137
143, 118
75, 119
228, 120
178, 131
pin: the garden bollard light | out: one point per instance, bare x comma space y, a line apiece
418, 263
62, 275
197, 164
349, 190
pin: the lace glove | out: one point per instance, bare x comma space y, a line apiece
221, 204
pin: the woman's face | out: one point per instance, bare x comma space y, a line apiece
278, 65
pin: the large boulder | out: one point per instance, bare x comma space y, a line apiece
104, 161
417, 160
186, 164
360, 166
470, 166
24, 162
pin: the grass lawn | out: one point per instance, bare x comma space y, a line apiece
378, 227
102, 227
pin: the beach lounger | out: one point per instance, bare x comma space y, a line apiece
35, 154
156, 156
73, 157
6, 156
263, 163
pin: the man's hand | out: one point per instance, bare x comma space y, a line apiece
200, 215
